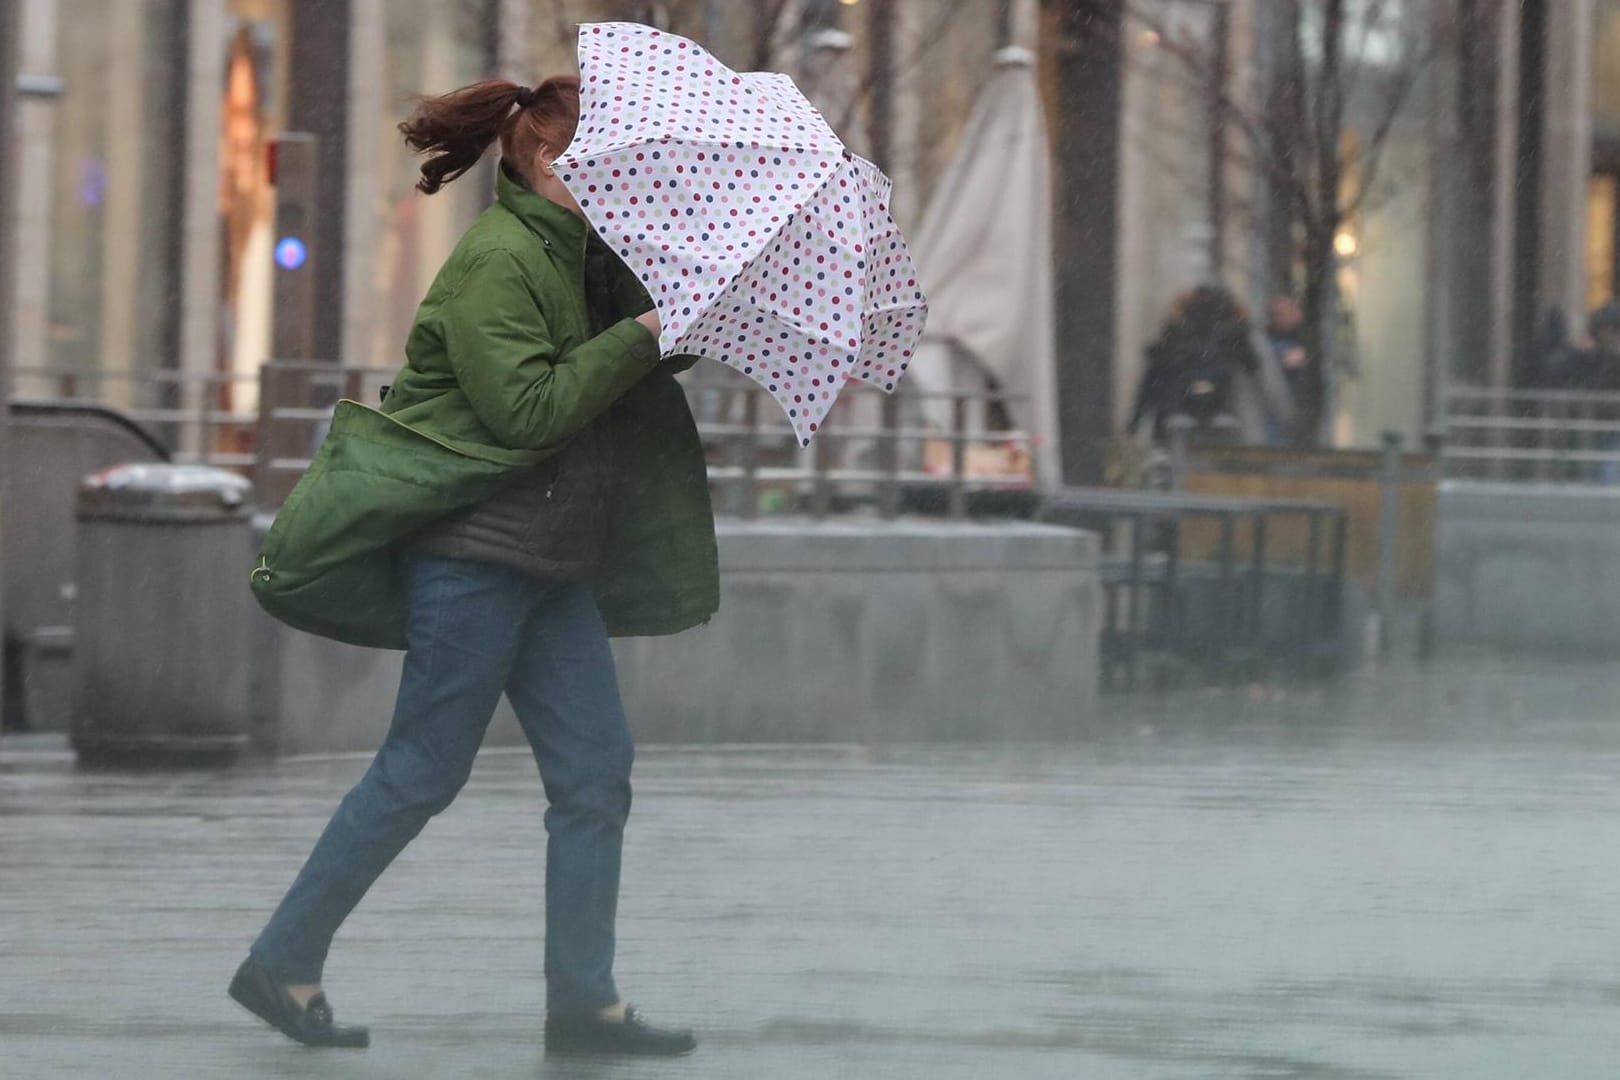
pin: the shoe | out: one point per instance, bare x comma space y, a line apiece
591, 1034
312, 1025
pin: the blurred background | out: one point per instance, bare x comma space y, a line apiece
1459, 200
1345, 264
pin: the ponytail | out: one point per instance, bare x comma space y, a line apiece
456, 129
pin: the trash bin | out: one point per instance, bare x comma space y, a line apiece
162, 618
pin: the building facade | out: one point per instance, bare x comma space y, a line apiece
144, 199
144, 211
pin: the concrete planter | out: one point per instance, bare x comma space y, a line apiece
835, 631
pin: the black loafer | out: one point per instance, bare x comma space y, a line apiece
591, 1034
312, 1025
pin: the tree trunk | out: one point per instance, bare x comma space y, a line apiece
1472, 243
1283, 126
319, 53
1323, 183
1532, 32
880, 82
1215, 193
1084, 50
1316, 335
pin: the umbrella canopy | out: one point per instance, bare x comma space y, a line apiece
765, 244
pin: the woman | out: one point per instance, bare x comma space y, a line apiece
532, 483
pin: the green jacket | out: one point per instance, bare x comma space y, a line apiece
499, 373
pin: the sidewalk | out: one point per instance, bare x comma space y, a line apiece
1410, 878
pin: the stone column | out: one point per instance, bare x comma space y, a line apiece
8, 108
365, 195
1136, 290
1567, 159
441, 223
35, 122
318, 102
199, 209
123, 258
1502, 215
515, 52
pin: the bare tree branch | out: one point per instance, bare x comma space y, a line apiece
1340, 68
767, 24
1368, 162
907, 65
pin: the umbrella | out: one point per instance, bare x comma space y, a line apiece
765, 243
984, 249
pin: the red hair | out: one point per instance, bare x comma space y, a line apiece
457, 128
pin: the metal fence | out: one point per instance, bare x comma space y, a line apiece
883, 453
199, 417
1535, 436
946, 453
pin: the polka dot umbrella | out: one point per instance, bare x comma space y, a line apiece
764, 242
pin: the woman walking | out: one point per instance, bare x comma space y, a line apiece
532, 484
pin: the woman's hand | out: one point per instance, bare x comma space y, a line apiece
651, 322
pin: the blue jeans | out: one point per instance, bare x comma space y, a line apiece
474, 631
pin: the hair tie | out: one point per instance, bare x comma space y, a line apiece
526, 96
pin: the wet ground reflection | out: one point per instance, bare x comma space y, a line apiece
1409, 875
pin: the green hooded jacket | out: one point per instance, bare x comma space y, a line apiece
500, 372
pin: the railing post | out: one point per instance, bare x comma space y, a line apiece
279, 387
206, 397
820, 482
748, 487
958, 489
1389, 536
889, 458
1497, 462
1543, 412
1179, 426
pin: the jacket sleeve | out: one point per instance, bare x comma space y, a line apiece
528, 394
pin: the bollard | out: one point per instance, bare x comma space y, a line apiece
162, 643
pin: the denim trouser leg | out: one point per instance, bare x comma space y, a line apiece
566, 694
465, 622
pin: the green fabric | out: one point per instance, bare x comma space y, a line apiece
499, 374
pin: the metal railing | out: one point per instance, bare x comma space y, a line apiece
199, 417
1532, 436
878, 453
875, 452
296, 399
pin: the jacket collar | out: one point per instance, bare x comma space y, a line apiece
555, 226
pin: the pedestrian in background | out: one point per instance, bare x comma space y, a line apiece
534, 358
1285, 326
1206, 364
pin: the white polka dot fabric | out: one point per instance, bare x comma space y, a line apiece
765, 244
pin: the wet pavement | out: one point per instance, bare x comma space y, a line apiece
1411, 875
